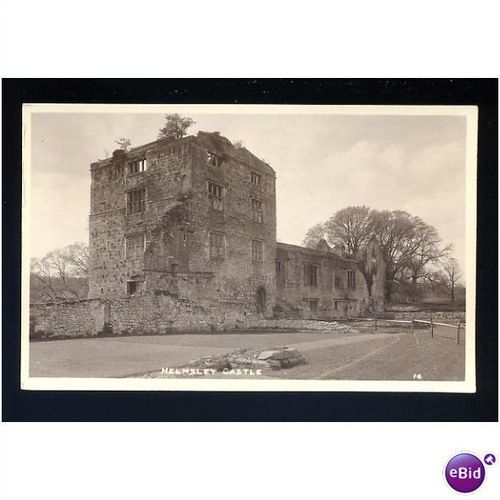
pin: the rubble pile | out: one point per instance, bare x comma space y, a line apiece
297, 324
275, 358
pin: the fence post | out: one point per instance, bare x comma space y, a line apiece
432, 326
458, 331
412, 317
375, 323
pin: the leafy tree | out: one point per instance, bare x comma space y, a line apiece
175, 126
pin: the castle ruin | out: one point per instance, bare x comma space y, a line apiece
182, 234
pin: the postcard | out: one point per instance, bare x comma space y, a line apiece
249, 247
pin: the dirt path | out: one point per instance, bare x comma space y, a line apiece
411, 357
320, 344
400, 356
330, 374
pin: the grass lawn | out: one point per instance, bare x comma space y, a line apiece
363, 354
405, 357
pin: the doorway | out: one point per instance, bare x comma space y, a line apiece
260, 300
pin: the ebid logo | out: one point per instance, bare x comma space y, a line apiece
465, 472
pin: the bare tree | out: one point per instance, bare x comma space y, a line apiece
124, 143
370, 262
452, 276
175, 126
77, 256
352, 227
314, 235
392, 228
61, 274
419, 251
407, 244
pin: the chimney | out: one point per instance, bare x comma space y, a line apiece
323, 246
339, 249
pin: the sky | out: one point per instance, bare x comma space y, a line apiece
323, 163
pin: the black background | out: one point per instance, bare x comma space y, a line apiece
273, 406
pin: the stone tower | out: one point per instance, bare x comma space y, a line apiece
194, 218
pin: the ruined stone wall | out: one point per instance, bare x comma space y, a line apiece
236, 277
166, 221
449, 316
329, 297
107, 274
178, 219
106, 227
67, 319
164, 250
159, 313
167, 183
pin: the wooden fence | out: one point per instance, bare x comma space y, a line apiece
443, 330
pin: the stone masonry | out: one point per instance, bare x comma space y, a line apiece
322, 282
197, 219
182, 234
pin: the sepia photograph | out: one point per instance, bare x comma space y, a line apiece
249, 247
249, 250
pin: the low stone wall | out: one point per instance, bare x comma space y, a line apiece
452, 316
295, 324
162, 314
66, 319
152, 314
436, 315
148, 314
